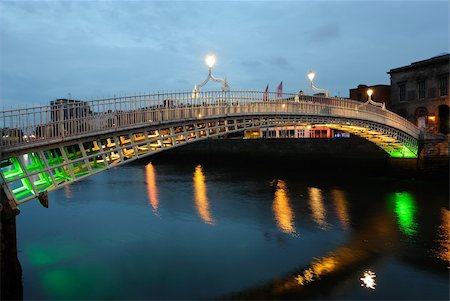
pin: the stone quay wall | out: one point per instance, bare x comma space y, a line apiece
351, 153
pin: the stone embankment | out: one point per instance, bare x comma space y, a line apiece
352, 153
434, 157
317, 153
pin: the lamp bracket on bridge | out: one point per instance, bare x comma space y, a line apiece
374, 103
324, 91
224, 82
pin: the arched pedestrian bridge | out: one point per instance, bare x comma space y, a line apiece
43, 148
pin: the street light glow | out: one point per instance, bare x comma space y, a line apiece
210, 60
311, 75
369, 92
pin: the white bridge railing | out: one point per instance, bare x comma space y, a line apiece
65, 119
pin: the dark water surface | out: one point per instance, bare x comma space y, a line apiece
204, 230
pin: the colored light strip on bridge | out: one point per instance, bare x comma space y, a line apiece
389, 144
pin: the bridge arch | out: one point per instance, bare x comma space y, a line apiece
75, 148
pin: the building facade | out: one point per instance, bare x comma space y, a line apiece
67, 115
295, 131
64, 109
419, 93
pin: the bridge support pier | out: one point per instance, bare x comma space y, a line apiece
403, 166
11, 270
43, 199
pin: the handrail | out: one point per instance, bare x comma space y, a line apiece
65, 119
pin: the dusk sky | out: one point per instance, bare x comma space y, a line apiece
93, 49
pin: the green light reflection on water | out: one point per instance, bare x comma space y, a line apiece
51, 253
61, 283
405, 208
57, 281
65, 272
80, 282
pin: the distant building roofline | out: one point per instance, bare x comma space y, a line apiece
435, 59
362, 86
66, 101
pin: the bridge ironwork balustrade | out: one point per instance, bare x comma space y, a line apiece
49, 124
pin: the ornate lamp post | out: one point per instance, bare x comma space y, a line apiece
210, 60
369, 93
311, 76
370, 101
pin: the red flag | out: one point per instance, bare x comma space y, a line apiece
280, 89
266, 93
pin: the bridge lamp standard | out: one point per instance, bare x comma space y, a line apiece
311, 75
210, 61
370, 101
369, 93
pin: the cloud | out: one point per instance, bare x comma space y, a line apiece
50, 48
325, 33
251, 64
279, 61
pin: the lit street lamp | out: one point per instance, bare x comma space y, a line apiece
311, 76
210, 60
370, 92
370, 101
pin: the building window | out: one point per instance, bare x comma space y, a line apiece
272, 134
301, 133
421, 87
443, 85
402, 92
291, 134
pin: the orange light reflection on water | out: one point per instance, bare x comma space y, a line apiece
317, 207
319, 267
443, 252
68, 193
341, 206
282, 209
152, 189
201, 198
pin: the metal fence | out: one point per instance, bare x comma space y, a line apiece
65, 119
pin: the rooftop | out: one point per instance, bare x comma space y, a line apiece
440, 58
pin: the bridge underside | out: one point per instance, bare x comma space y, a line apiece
389, 144
27, 174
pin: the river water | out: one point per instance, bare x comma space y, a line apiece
209, 230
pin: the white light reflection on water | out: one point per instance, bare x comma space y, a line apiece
368, 280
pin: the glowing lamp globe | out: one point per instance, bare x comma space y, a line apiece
210, 60
311, 76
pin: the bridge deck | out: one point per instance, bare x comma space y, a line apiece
44, 148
